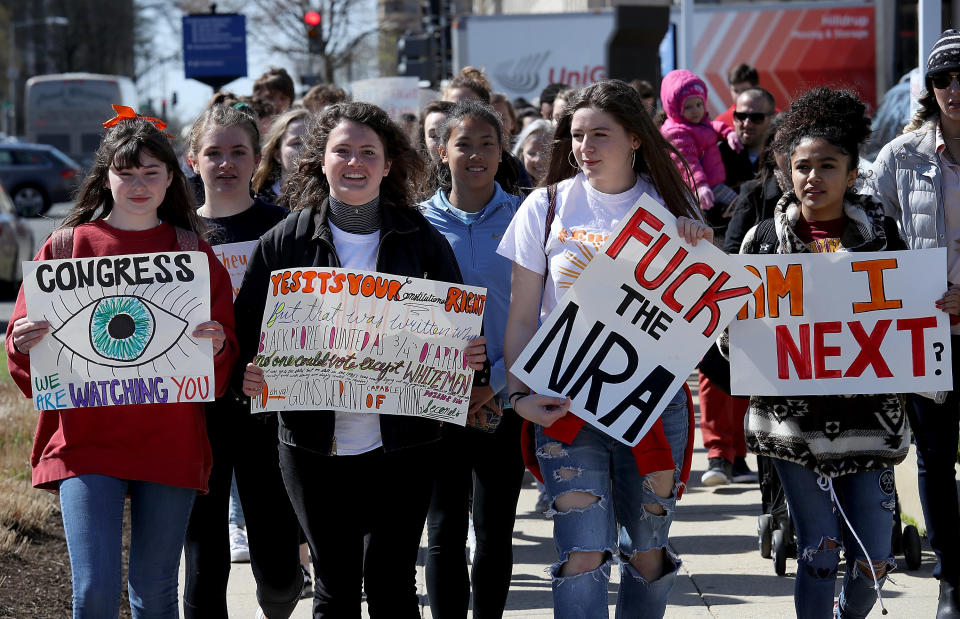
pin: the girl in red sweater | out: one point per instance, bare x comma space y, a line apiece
134, 201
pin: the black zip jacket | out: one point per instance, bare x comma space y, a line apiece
409, 246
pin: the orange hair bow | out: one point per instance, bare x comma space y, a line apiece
127, 113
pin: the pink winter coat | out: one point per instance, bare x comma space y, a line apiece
697, 143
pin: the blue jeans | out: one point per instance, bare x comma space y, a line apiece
868, 499
236, 512
92, 508
606, 468
935, 435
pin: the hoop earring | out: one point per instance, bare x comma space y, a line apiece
633, 158
573, 162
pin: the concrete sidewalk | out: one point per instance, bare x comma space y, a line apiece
715, 533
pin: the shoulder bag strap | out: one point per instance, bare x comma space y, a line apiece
62, 241
187, 239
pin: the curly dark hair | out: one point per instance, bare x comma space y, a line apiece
122, 148
621, 101
308, 187
468, 108
837, 116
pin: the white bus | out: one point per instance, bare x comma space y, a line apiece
66, 110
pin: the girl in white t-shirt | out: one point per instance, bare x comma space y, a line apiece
605, 155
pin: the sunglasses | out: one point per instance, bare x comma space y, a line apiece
755, 117
943, 80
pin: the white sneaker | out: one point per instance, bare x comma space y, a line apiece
239, 550
472, 540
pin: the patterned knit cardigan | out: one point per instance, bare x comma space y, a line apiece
830, 435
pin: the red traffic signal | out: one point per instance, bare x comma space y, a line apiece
312, 18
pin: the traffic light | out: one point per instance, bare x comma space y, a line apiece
418, 56
313, 19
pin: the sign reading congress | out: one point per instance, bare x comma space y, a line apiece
120, 330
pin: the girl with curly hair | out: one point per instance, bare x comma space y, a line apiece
352, 475
839, 485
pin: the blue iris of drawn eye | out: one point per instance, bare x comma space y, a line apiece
121, 328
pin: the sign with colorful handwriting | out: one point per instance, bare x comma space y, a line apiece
843, 323
624, 338
120, 330
364, 342
234, 257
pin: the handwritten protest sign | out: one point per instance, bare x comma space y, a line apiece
120, 330
625, 337
234, 257
843, 323
395, 95
347, 340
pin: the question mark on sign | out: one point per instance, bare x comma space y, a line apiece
938, 351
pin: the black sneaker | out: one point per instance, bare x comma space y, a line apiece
718, 473
742, 473
307, 590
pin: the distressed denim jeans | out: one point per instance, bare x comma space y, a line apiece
617, 524
868, 499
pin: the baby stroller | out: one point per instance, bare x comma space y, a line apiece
776, 535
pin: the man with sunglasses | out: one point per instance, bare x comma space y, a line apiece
752, 117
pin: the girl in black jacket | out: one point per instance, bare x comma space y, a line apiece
352, 475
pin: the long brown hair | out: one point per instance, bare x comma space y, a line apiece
308, 187
122, 147
269, 171
927, 109
621, 101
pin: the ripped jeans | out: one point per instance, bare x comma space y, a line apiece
868, 499
617, 524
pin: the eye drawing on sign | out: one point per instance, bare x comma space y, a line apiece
127, 329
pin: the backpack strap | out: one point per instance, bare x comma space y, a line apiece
187, 239
62, 241
551, 212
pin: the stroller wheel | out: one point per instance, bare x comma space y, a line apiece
765, 534
911, 547
779, 552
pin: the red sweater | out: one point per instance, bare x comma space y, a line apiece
164, 443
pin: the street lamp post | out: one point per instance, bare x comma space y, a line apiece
12, 72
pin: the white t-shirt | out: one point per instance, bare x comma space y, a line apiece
356, 433
584, 219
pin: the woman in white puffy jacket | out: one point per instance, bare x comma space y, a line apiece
917, 178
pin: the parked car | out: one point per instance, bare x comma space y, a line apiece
36, 176
16, 245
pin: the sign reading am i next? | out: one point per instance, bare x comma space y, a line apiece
843, 323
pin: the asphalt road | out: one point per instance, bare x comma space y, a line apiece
41, 227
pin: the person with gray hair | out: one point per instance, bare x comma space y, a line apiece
532, 148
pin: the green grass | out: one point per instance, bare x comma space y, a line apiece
4, 370
906, 519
